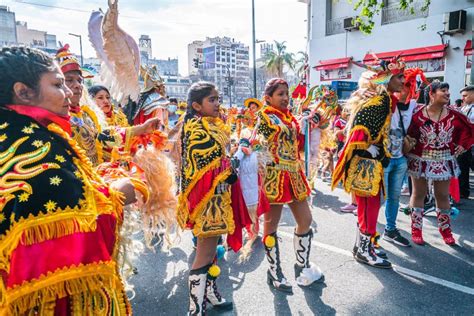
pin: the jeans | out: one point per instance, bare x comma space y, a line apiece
394, 175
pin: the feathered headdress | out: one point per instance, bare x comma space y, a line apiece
384, 70
414, 77
151, 78
118, 52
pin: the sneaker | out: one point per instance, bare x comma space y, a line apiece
349, 208
395, 237
405, 191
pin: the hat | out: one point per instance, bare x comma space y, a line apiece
181, 108
67, 61
467, 88
249, 101
151, 78
384, 70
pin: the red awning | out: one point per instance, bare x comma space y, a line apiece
468, 48
422, 53
333, 63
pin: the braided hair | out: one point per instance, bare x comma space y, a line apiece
21, 64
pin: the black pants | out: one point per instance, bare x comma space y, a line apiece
465, 163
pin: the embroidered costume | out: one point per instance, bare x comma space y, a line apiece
57, 212
204, 203
433, 157
361, 161
285, 180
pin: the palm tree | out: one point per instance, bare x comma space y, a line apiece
277, 59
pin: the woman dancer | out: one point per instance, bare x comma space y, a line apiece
285, 183
442, 134
204, 199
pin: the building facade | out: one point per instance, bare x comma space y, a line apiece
166, 67
194, 52
7, 26
436, 40
224, 62
177, 87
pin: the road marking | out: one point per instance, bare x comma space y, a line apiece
396, 268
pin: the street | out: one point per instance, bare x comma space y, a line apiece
434, 279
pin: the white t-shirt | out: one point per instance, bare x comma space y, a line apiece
396, 133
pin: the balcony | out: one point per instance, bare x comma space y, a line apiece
393, 14
335, 26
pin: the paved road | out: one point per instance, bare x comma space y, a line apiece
434, 279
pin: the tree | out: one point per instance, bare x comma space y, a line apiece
277, 59
370, 8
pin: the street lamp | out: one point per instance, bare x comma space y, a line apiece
80, 44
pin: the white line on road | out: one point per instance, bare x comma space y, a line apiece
398, 269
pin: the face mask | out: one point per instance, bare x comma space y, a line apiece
172, 108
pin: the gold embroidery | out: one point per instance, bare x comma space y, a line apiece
60, 158
3, 137
55, 180
37, 143
12, 181
27, 130
364, 176
50, 206
23, 197
4, 125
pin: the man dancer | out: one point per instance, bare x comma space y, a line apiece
361, 162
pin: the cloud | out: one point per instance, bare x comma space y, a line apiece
173, 24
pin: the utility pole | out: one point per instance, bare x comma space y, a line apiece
80, 44
253, 48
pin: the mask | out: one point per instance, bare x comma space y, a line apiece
172, 108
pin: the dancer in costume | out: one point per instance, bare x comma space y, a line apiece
442, 134
361, 162
285, 183
96, 140
205, 197
59, 220
251, 157
113, 114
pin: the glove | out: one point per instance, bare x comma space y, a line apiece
373, 150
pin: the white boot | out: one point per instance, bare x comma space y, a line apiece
214, 297
197, 291
366, 253
306, 272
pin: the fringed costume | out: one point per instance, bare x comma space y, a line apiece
360, 164
285, 180
204, 200
207, 203
57, 212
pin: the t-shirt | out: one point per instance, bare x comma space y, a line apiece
396, 134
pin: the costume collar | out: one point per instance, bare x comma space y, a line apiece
42, 116
75, 109
286, 113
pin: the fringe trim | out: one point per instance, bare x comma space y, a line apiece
82, 279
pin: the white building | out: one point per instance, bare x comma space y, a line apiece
442, 49
194, 52
224, 62
7, 26
177, 87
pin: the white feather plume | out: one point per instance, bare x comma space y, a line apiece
119, 54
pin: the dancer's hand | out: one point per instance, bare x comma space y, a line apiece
373, 150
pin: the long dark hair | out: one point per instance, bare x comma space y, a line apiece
21, 64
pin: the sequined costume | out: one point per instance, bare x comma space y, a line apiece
433, 157
204, 203
97, 143
57, 212
285, 180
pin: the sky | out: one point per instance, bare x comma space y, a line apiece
171, 24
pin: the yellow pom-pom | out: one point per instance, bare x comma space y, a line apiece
270, 241
214, 271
